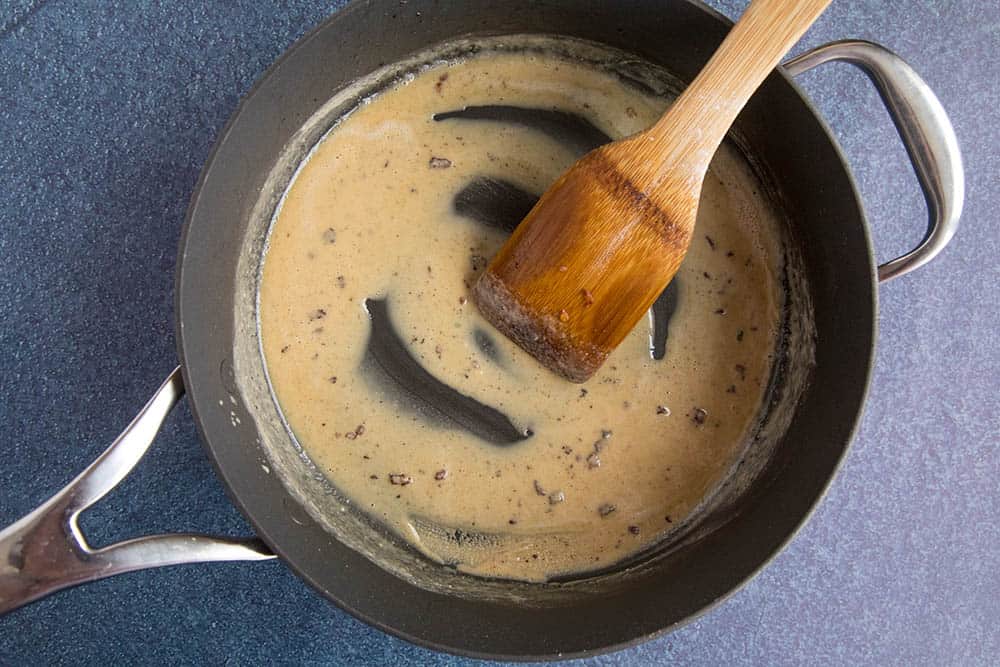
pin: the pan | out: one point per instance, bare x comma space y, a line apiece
816, 401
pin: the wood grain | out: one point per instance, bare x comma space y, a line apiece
602, 243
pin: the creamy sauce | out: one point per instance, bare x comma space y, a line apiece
442, 429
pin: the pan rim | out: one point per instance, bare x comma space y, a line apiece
262, 528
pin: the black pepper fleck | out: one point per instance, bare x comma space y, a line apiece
440, 82
399, 479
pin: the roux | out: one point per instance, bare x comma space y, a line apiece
432, 422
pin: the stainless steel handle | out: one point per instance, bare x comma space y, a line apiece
926, 132
46, 551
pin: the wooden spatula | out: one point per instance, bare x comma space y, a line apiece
601, 244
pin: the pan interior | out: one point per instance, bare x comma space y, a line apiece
337, 514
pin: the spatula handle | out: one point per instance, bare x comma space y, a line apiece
694, 126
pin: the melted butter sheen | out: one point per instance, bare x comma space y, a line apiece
398, 211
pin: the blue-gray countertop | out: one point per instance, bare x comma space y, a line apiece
107, 113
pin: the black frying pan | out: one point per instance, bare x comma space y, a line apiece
293, 509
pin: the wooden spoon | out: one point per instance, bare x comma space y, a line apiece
602, 243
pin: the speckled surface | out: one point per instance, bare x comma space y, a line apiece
107, 114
